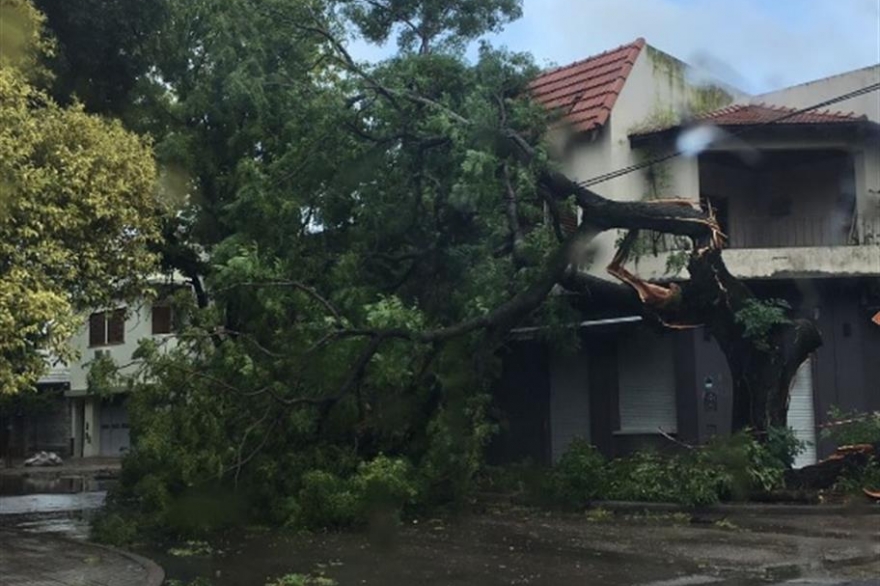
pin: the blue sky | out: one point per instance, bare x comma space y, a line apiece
756, 45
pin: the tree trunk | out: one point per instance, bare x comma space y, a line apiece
762, 368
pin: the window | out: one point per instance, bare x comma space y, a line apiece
107, 327
162, 319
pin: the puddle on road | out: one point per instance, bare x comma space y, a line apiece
456, 557
67, 515
36, 504
75, 526
42, 484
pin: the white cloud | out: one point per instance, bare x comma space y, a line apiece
754, 44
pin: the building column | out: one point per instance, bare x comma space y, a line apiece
91, 428
76, 427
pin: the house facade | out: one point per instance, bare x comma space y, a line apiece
99, 424
797, 193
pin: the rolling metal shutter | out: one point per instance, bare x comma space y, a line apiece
569, 402
115, 440
801, 415
647, 383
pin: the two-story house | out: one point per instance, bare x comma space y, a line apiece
99, 423
798, 194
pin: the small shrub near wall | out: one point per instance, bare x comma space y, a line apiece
727, 469
853, 428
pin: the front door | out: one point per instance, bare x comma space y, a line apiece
114, 428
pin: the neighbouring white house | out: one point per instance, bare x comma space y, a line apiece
99, 424
798, 194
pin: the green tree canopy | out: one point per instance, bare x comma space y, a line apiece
78, 212
362, 238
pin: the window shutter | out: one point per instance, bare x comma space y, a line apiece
116, 327
161, 319
97, 329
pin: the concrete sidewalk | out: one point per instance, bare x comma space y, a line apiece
46, 560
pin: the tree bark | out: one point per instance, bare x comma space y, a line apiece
762, 370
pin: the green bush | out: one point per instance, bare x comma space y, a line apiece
728, 468
750, 465
854, 480
689, 479
384, 483
325, 500
783, 445
114, 529
302, 580
579, 476
861, 428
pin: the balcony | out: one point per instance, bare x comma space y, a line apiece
803, 247
801, 232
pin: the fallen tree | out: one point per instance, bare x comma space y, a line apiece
374, 232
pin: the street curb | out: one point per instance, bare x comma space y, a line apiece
727, 509
155, 573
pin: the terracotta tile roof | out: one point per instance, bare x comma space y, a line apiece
747, 114
585, 91
757, 114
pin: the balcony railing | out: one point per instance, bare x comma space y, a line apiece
801, 231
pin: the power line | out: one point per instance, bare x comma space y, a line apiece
632, 168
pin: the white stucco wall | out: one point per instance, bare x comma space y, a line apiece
138, 325
657, 90
806, 262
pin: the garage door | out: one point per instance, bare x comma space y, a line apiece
114, 429
647, 383
801, 415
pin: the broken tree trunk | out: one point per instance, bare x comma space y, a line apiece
762, 367
824, 474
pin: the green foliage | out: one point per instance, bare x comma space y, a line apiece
325, 500
857, 428
689, 479
191, 548
103, 377
114, 529
580, 475
728, 468
759, 318
104, 49
853, 480
302, 580
852, 428
200, 581
385, 482
783, 446
432, 25
78, 211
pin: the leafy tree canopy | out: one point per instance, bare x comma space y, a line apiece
361, 238
77, 212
